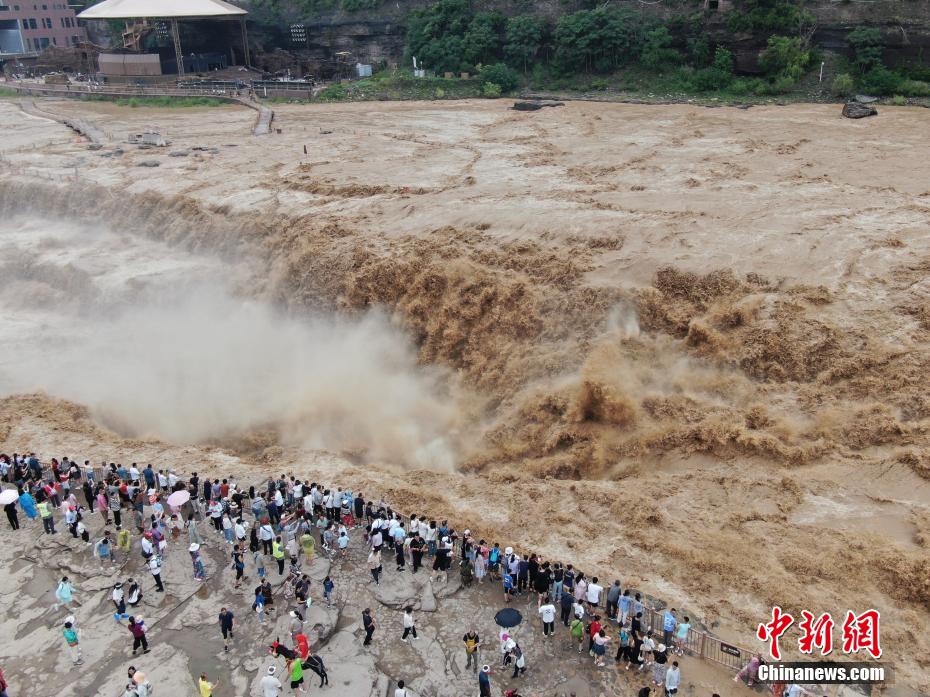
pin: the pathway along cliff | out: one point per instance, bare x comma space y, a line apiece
648, 338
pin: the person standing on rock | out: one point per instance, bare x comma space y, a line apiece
328, 587
374, 565
547, 612
308, 545
368, 623
226, 626
277, 551
48, 521
296, 669
296, 624
472, 646
416, 552
137, 629
205, 686
401, 691
238, 565
74, 644
155, 568
566, 602
199, 572
484, 681
271, 686
410, 627
12, 515
64, 593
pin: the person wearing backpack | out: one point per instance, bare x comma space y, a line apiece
472, 645
576, 632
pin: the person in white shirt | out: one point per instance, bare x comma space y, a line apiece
134, 472
401, 691
548, 618
409, 624
271, 686
593, 593
672, 678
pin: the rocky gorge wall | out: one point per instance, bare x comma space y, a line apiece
378, 35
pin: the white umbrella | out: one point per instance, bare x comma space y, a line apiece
8, 496
179, 498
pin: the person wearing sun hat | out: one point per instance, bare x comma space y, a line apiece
271, 686
484, 681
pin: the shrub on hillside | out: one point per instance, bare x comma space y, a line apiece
843, 85
491, 90
500, 74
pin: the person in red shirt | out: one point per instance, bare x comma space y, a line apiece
593, 629
303, 645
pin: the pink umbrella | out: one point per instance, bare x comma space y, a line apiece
179, 498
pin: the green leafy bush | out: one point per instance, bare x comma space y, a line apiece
898, 100
501, 75
785, 58
843, 85
915, 88
880, 81
491, 90
599, 83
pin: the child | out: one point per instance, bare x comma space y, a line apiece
328, 586
343, 543
508, 587
259, 560
681, 636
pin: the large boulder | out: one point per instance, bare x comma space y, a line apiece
535, 105
855, 110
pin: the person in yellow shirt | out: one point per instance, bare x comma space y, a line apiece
206, 688
277, 551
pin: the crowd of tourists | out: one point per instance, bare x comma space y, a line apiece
288, 521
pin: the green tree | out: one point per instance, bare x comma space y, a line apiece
600, 39
657, 52
482, 40
523, 39
435, 34
699, 50
785, 58
867, 48
718, 76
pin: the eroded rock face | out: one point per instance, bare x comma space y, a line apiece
855, 110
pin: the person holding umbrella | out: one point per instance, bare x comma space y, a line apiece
8, 498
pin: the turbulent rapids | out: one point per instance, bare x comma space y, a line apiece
638, 356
